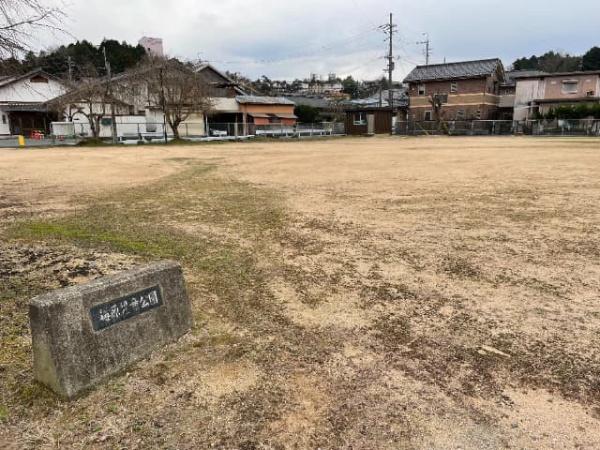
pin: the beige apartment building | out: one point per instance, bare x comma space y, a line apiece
539, 93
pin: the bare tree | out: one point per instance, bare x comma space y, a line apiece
91, 97
437, 101
20, 20
176, 88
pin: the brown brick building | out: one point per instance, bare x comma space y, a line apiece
466, 90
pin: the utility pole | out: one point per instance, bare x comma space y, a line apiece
70, 65
427, 44
110, 93
163, 102
390, 29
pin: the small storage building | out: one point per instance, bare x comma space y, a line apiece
369, 121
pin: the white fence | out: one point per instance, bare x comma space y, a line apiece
125, 130
199, 130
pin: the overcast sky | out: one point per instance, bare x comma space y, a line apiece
285, 39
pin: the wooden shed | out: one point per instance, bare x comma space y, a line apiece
369, 121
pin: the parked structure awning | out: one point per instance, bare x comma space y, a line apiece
272, 115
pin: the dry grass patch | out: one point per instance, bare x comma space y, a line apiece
360, 293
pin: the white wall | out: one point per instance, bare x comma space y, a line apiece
125, 125
224, 105
4, 123
24, 91
152, 122
194, 125
527, 90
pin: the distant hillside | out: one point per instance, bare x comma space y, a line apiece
86, 59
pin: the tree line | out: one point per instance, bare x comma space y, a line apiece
78, 59
553, 62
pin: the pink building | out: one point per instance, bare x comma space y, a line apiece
153, 46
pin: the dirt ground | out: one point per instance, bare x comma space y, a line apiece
349, 293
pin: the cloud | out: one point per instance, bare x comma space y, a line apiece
293, 39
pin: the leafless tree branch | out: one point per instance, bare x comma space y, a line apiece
89, 97
20, 20
176, 88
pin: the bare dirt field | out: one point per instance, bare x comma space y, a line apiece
349, 293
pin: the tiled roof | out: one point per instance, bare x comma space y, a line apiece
257, 100
561, 74
6, 80
315, 102
450, 71
400, 99
208, 66
510, 78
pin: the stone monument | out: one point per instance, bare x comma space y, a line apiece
84, 334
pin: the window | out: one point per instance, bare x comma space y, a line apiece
460, 114
453, 88
478, 114
442, 98
421, 89
428, 115
359, 119
570, 86
4, 119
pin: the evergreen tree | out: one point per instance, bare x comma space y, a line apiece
549, 62
591, 60
350, 87
83, 55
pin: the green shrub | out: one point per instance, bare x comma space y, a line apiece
582, 111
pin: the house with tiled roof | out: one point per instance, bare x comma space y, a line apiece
468, 90
23, 102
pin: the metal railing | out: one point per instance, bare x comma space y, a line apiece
561, 127
276, 130
198, 130
580, 127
